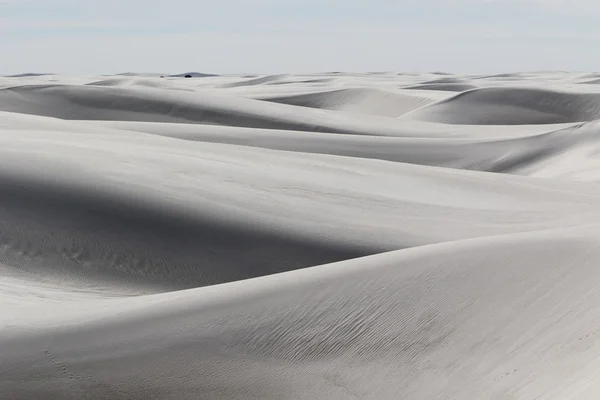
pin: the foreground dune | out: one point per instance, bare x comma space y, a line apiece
328, 236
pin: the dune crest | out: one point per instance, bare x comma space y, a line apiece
321, 236
513, 106
360, 100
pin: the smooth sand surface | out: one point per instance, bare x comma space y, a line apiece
326, 236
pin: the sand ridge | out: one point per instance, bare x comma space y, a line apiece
316, 236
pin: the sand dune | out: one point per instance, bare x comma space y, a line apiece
368, 101
264, 80
489, 313
450, 87
513, 106
146, 104
511, 154
317, 236
193, 75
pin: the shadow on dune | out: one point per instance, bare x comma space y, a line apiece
512, 106
446, 87
365, 101
83, 236
112, 103
393, 325
148, 104
264, 80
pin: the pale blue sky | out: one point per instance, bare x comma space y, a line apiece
272, 36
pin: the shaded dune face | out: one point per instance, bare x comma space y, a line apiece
450, 87
368, 101
528, 153
95, 238
344, 328
326, 236
513, 106
144, 103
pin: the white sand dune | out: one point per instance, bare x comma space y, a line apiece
144, 82
513, 106
326, 236
528, 153
361, 100
155, 105
450, 87
264, 80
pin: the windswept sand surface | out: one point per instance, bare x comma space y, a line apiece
328, 236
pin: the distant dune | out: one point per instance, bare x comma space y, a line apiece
374, 236
366, 101
514, 106
193, 75
27, 75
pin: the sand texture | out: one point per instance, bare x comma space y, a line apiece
315, 237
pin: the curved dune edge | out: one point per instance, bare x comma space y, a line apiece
450, 87
79, 102
78, 212
405, 318
361, 100
512, 106
299, 236
560, 151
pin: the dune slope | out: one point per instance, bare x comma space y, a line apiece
504, 314
317, 236
513, 106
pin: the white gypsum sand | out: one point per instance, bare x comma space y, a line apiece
325, 236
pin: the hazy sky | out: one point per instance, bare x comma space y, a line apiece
271, 36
